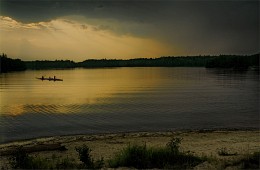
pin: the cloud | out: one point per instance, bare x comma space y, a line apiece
181, 27
64, 38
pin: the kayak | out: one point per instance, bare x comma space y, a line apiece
50, 79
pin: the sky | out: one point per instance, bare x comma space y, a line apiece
122, 29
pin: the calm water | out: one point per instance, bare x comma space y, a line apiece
126, 99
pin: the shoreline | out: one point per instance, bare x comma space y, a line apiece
105, 136
129, 132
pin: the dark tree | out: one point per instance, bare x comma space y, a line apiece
8, 64
233, 61
46, 64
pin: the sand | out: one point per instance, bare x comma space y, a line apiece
201, 143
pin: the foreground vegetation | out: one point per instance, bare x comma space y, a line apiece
222, 61
142, 157
21, 160
133, 156
250, 161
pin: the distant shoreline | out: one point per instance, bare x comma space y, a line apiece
221, 61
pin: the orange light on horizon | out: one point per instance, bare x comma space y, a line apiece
68, 39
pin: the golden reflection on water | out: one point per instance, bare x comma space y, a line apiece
21, 93
15, 110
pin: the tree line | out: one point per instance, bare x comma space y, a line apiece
221, 61
233, 61
194, 61
46, 64
8, 64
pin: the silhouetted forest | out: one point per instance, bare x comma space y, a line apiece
222, 61
45, 64
199, 61
232, 61
8, 64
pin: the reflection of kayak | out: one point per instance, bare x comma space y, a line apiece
50, 79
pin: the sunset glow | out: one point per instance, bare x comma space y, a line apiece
69, 39
80, 30
98, 92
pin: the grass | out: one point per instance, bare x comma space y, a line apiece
133, 156
142, 157
251, 161
21, 160
137, 156
248, 161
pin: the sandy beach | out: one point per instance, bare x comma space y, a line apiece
201, 143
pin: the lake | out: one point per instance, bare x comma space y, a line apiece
107, 100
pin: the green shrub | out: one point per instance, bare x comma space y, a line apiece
20, 159
174, 145
40, 163
84, 156
132, 156
65, 163
252, 161
142, 157
88, 161
99, 163
249, 161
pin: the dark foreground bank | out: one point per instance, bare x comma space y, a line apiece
195, 149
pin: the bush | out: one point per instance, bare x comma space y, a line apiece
84, 156
136, 156
132, 156
65, 163
20, 159
174, 145
88, 161
252, 161
141, 157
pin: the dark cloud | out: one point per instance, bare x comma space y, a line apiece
196, 26
39, 10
